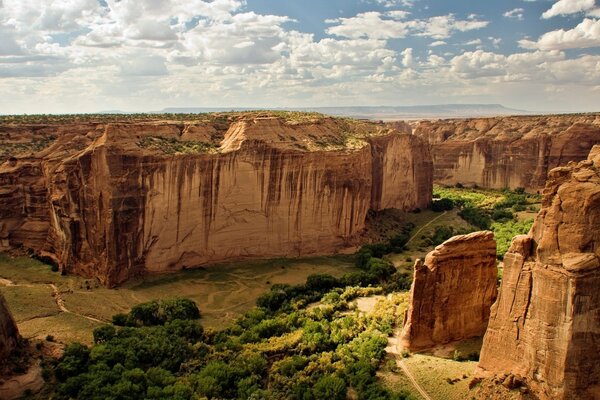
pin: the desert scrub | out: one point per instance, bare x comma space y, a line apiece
8, 150
174, 146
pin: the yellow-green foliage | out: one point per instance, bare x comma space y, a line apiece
174, 146
504, 233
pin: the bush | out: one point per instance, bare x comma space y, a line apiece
444, 204
502, 215
397, 242
476, 217
104, 333
441, 234
158, 312
330, 387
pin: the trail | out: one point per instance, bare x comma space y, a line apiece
412, 379
425, 226
61, 305
393, 349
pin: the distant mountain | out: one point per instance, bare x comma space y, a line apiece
383, 112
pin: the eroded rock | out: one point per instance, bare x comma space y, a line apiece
120, 199
507, 152
9, 334
545, 325
452, 292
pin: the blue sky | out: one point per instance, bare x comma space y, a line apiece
61, 56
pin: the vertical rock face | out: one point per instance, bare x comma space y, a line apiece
9, 335
545, 325
452, 292
507, 151
117, 200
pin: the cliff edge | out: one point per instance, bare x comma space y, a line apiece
545, 325
118, 199
507, 152
452, 292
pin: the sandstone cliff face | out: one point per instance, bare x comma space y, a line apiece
507, 151
545, 325
9, 335
117, 200
452, 292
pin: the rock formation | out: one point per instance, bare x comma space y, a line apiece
507, 151
119, 199
9, 335
452, 292
545, 325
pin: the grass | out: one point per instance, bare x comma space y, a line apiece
222, 292
433, 374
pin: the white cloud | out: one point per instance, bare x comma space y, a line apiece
584, 35
392, 25
437, 43
474, 42
407, 57
566, 7
516, 13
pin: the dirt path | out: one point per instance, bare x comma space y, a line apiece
61, 305
393, 349
425, 226
412, 379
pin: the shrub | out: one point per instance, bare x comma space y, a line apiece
330, 387
502, 215
444, 204
158, 312
476, 217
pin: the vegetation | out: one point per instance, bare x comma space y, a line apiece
8, 150
284, 348
170, 145
493, 210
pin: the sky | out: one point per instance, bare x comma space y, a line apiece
73, 56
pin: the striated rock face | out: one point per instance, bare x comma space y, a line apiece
9, 335
452, 292
507, 151
115, 200
545, 325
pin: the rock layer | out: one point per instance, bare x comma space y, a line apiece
117, 200
545, 325
452, 292
507, 152
9, 334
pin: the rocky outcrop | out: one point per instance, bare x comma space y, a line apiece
452, 292
507, 152
9, 334
545, 325
120, 199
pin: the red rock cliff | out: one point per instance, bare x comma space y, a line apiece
507, 151
452, 292
545, 325
9, 335
117, 200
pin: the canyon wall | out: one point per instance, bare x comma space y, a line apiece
118, 200
9, 334
452, 292
507, 152
545, 325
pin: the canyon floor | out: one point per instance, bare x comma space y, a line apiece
68, 308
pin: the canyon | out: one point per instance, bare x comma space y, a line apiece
545, 325
119, 199
507, 152
452, 292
